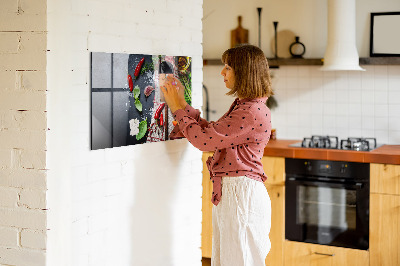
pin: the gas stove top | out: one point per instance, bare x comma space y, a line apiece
332, 142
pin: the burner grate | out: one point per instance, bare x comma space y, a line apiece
327, 142
332, 142
358, 144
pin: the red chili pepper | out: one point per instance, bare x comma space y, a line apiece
161, 119
158, 112
130, 81
174, 123
138, 68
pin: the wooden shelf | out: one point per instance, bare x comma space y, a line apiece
294, 62
380, 61
274, 63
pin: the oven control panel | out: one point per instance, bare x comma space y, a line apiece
338, 169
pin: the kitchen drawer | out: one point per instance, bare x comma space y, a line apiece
305, 254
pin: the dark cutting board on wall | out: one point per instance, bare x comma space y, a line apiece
239, 35
142, 81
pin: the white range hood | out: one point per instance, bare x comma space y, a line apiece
341, 51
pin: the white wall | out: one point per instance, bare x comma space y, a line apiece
311, 102
23, 133
343, 104
136, 205
306, 19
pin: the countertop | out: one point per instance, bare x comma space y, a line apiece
389, 154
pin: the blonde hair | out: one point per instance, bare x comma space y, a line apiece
250, 66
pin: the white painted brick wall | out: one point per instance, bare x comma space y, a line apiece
8, 197
33, 198
97, 192
136, 205
23, 178
9, 237
23, 218
23, 16
22, 256
34, 239
23, 128
23, 139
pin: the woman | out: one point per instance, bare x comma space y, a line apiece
242, 211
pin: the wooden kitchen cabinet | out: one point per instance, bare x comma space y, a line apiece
206, 225
305, 254
384, 215
384, 236
274, 168
385, 178
277, 233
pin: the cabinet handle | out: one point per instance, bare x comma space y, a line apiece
324, 254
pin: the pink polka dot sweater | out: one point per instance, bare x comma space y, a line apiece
238, 139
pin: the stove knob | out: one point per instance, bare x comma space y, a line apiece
308, 166
343, 168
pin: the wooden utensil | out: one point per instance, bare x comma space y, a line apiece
239, 35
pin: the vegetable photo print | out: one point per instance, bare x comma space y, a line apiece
127, 105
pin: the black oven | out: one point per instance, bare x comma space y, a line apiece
327, 202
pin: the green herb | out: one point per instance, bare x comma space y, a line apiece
136, 92
138, 105
186, 82
142, 129
147, 67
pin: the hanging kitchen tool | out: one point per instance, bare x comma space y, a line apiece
259, 9
276, 38
297, 49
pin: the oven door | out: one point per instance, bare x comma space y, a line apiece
327, 213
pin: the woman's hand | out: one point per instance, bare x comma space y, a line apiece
174, 93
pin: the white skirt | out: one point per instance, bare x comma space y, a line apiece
241, 223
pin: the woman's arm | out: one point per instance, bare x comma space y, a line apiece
239, 127
195, 114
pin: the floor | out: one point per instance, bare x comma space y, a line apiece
206, 261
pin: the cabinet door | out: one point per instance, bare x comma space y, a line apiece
385, 178
304, 254
277, 233
206, 232
384, 230
274, 168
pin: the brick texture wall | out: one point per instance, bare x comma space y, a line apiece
23, 128
60, 203
136, 205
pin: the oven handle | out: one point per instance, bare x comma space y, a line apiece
357, 185
324, 254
